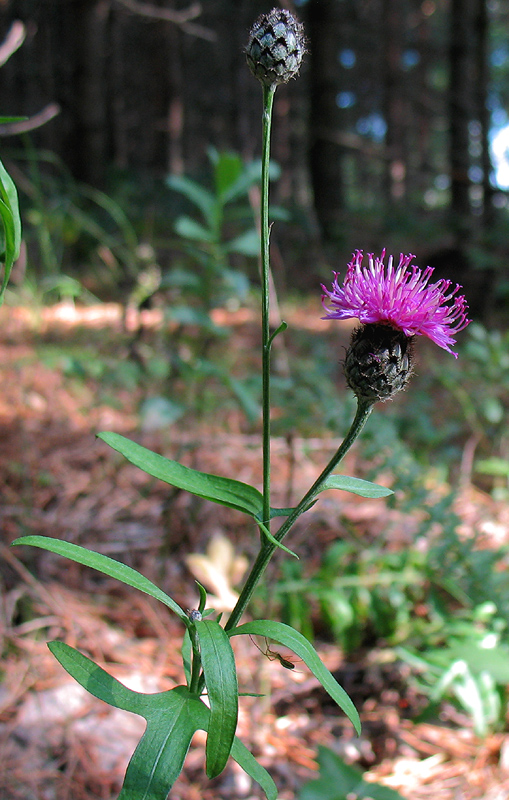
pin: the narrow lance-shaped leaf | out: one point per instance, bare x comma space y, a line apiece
356, 486
247, 243
227, 168
249, 177
188, 228
346, 483
201, 197
9, 195
95, 679
221, 681
287, 636
274, 541
249, 764
226, 491
105, 564
186, 656
9, 215
239, 752
285, 512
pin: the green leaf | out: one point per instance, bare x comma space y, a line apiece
287, 636
95, 679
227, 168
493, 410
186, 656
172, 719
247, 244
493, 660
339, 781
274, 541
105, 564
280, 329
200, 716
221, 681
200, 197
180, 278
159, 412
226, 491
356, 486
159, 757
235, 282
285, 512
203, 596
281, 512
11, 222
250, 176
249, 764
188, 228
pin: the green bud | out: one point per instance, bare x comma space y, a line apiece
276, 47
378, 363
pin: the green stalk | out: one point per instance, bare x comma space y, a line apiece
257, 571
268, 101
363, 411
196, 682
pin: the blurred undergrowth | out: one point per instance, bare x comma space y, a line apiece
433, 597
440, 600
186, 246
189, 246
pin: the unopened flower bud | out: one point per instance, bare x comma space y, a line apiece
276, 47
378, 362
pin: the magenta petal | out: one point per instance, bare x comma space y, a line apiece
399, 296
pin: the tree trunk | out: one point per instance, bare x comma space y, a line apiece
325, 154
462, 75
483, 114
90, 151
394, 104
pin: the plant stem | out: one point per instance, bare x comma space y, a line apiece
267, 550
268, 100
196, 682
363, 409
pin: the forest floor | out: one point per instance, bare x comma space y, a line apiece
59, 743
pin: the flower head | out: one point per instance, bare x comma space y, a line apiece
401, 298
276, 47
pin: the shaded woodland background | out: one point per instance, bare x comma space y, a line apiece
383, 140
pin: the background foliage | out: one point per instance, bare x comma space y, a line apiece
383, 140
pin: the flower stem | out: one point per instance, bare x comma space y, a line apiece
195, 684
268, 101
364, 409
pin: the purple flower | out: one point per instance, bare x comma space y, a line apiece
401, 297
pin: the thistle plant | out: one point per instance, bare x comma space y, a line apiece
393, 306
